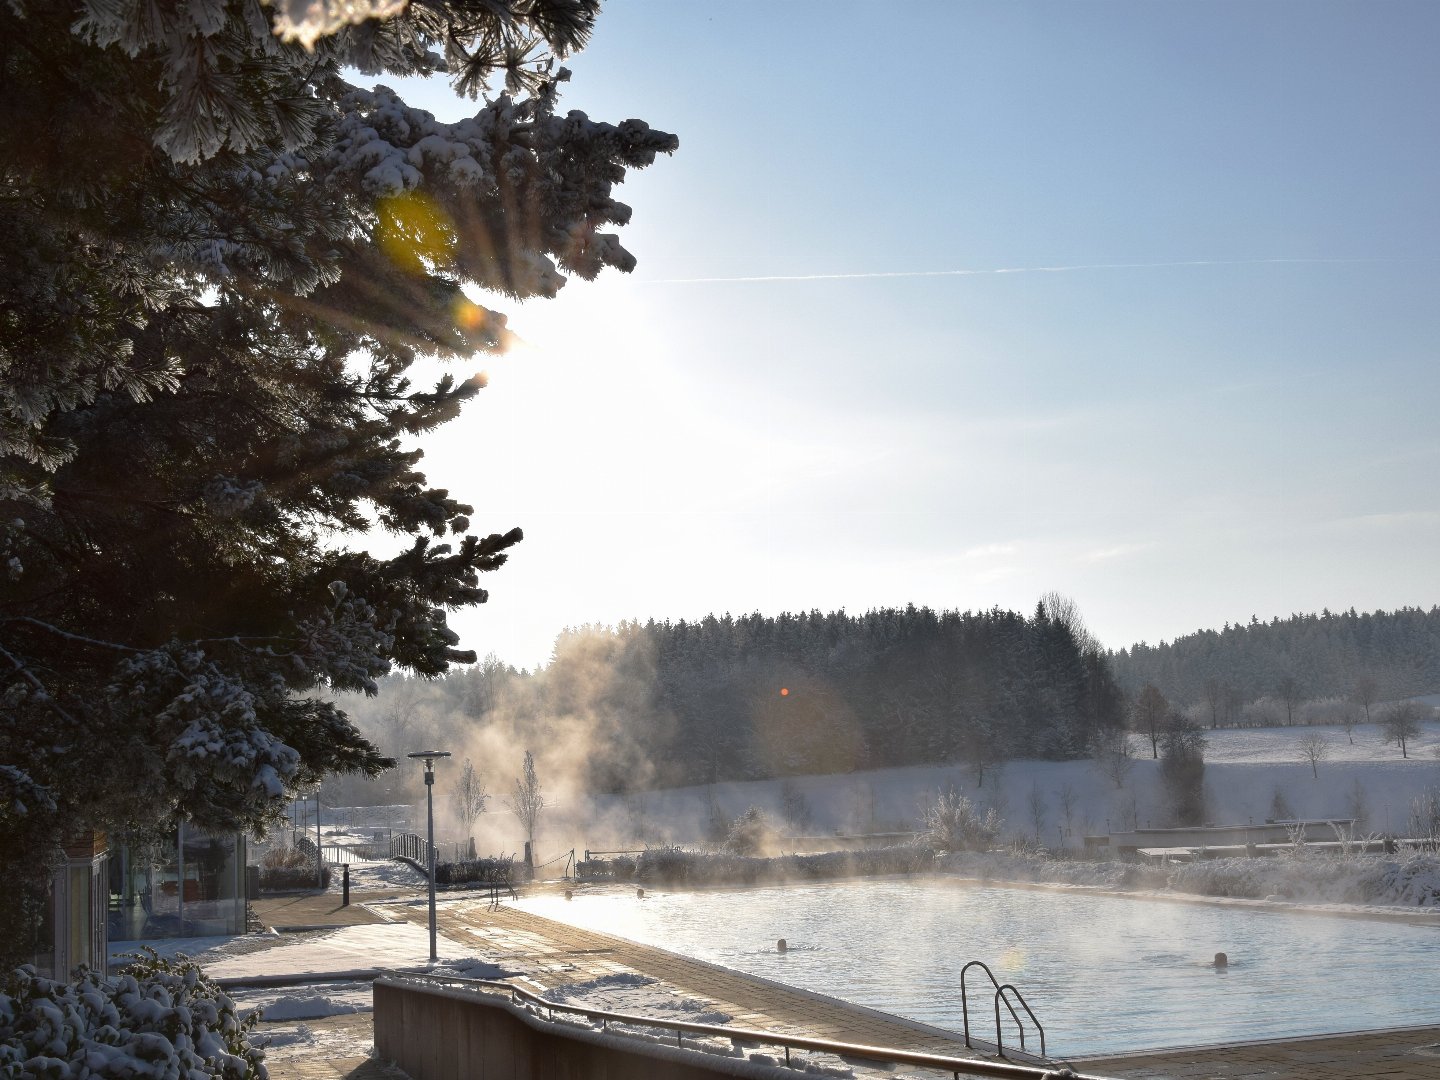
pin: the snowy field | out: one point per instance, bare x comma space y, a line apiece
1251, 775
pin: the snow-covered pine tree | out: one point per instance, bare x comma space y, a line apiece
219, 258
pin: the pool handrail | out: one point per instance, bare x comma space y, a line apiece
1001, 1070
1000, 995
965, 1008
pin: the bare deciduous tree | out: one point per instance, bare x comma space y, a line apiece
528, 802
1037, 805
1290, 693
1111, 752
1069, 799
1401, 723
1314, 748
1149, 713
1215, 698
468, 798
1065, 611
1366, 691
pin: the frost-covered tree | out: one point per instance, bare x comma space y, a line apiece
1401, 724
220, 255
527, 801
1314, 748
468, 798
1149, 714
1182, 768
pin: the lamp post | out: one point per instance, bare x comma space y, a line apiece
429, 757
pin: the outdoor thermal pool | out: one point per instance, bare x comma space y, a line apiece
1104, 974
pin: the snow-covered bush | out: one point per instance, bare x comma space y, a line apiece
954, 823
292, 868
491, 871
750, 834
1316, 877
676, 866
160, 1019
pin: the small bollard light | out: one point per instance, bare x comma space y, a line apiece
345, 884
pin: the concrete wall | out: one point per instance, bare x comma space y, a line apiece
437, 1034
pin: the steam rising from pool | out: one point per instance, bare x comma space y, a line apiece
1103, 974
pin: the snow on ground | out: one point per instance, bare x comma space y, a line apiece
1251, 775
638, 995
295, 955
1269, 746
308, 1002
384, 874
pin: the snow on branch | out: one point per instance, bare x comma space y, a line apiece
307, 21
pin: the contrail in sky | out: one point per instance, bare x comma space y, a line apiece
993, 271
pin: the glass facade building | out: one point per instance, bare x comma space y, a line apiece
191, 886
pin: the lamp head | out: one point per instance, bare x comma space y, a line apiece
429, 757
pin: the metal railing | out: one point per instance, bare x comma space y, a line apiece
335, 854
410, 846
1000, 996
957, 1067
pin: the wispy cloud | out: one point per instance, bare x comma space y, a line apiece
1119, 551
1404, 519
985, 551
999, 270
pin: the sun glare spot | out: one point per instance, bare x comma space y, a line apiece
784, 691
469, 316
413, 231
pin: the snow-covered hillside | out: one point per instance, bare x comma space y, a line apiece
1251, 775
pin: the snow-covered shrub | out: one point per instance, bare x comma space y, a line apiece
1424, 820
1315, 877
666, 863
954, 823
676, 866
1033, 867
160, 1018
292, 868
491, 871
750, 833
620, 868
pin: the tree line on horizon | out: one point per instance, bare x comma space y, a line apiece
1349, 658
757, 696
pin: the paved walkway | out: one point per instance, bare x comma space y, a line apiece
322, 908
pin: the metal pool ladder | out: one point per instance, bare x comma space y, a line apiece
1003, 993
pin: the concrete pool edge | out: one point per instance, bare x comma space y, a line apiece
1428, 1030
1389, 1052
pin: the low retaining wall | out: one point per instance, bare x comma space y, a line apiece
440, 1034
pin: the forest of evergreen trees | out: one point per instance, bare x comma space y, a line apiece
661, 704
726, 698
1378, 655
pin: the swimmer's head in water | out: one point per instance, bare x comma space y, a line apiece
1221, 960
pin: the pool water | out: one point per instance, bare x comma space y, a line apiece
1103, 974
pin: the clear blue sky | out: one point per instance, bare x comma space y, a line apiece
1230, 412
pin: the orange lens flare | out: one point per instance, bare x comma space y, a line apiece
414, 231
470, 316
784, 691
